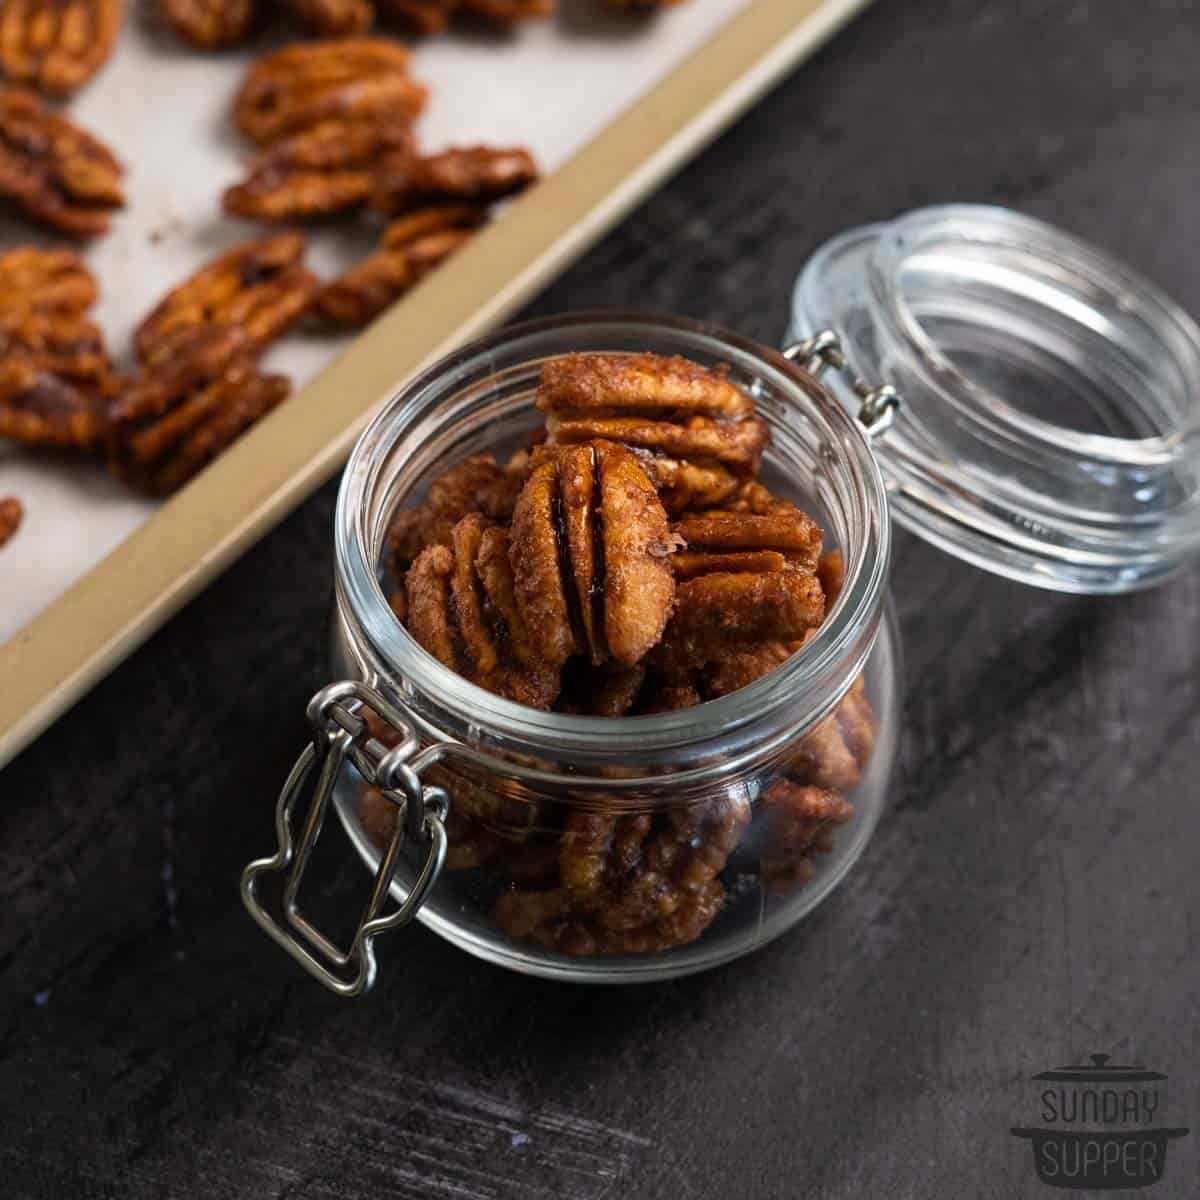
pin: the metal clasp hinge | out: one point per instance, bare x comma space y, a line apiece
340, 733
823, 351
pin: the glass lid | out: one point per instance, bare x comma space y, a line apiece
1049, 421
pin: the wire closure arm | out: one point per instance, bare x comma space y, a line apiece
341, 733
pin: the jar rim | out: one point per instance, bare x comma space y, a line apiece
820, 674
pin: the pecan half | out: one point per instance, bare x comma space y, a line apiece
462, 610
317, 172
745, 579
591, 554
57, 174
477, 484
631, 884
670, 408
44, 295
11, 514
200, 392
800, 820
410, 248
478, 175
350, 79
210, 24
333, 18
40, 408
262, 287
56, 46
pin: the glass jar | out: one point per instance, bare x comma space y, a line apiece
617, 849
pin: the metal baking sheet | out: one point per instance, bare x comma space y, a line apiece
609, 107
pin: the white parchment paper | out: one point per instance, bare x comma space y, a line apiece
165, 110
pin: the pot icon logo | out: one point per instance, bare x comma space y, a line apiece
1100, 1127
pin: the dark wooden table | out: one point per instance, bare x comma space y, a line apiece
1031, 897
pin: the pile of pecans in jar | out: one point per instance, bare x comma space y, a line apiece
629, 563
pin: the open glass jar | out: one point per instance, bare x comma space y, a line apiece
500, 826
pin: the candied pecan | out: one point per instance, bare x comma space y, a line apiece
56, 173
718, 540
210, 24
590, 553
669, 407
56, 46
507, 12
333, 18
39, 408
831, 571
462, 610
478, 175
477, 484
350, 79
800, 820
199, 394
317, 172
410, 248
836, 752
11, 514
631, 884
44, 295
261, 287
605, 691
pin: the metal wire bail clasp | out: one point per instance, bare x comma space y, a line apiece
341, 733
823, 351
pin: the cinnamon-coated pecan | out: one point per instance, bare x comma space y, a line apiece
668, 407
349, 79
590, 552
210, 24
800, 823
11, 514
317, 172
462, 610
410, 248
261, 287
200, 391
57, 174
41, 408
475, 175
44, 295
333, 18
477, 484
56, 46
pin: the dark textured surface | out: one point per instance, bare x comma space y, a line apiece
1031, 896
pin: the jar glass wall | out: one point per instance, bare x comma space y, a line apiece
706, 830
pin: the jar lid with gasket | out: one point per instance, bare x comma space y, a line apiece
1050, 424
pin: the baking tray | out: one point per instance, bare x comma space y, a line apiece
177, 548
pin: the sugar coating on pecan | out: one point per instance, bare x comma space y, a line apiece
200, 391
477, 175
347, 79
316, 173
477, 484
590, 551
210, 24
53, 171
39, 407
410, 248
56, 46
261, 287
333, 18
462, 610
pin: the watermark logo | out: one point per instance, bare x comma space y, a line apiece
1101, 1127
